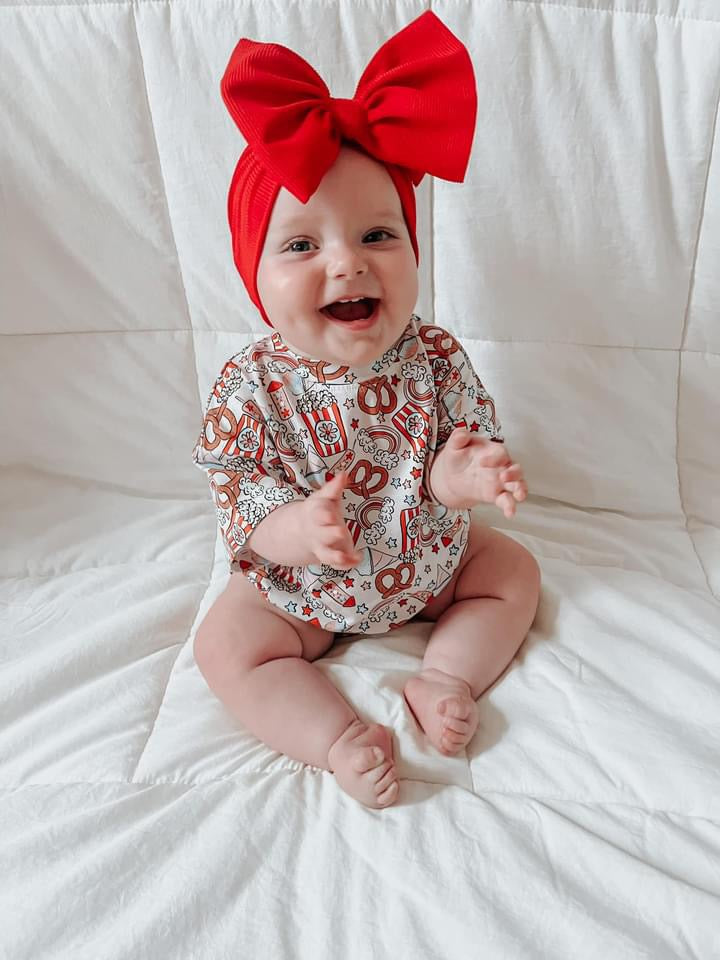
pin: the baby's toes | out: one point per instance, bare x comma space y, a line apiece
367, 758
454, 708
456, 726
450, 748
386, 785
389, 794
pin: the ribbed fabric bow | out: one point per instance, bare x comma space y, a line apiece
414, 106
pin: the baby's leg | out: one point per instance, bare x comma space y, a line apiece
482, 617
256, 659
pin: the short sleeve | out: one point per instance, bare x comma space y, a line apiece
462, 400
236, 449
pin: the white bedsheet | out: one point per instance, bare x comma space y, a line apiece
580, 264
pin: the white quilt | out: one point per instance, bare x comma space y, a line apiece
580, 265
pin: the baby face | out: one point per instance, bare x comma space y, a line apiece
348, 241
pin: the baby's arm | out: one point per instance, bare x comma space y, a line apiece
471, 464
308, 531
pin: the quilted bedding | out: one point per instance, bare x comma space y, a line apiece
580, 265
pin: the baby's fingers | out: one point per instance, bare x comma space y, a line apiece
337, 548
340, 559
513, 481
506, 502
511, 473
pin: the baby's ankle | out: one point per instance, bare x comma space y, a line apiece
353, 729
440, 676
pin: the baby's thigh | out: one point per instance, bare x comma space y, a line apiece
242, 629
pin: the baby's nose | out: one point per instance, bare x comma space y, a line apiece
346, 263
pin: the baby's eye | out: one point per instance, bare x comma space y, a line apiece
299, 246
368, 238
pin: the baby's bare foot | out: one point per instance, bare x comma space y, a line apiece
362, 761
444, 708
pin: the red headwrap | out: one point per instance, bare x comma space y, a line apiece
413, 111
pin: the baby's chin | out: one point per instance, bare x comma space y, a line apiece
355, 348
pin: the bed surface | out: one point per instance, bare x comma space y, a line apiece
579, 265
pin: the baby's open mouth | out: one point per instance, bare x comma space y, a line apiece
359, 309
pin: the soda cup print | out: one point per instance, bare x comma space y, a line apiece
279, 399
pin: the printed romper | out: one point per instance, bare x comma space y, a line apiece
279, 425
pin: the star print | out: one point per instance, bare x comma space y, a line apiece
454, 551
253, 386
409, 500
395, 379
416, 473
392, 542
401, 603
407, 484
307, 611
381, 417
474, 426
362, 608
291, 607
351, 507
412, 609
392, 615
428, 568
418, 581
351, 378
396, 481
364, 625
366, 585
354, 423
471, 392
349, 402
435, 548
406, 454
349, 581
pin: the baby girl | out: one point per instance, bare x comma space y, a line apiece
345, 448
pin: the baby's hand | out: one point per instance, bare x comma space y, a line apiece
327, 534
478, 470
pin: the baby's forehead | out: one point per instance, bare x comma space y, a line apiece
356, 185
375, 207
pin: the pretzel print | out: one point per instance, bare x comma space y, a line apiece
399, 579
442, 343
359, 484
225, 494
214, 419
377, 387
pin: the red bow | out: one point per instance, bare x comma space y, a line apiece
414, 106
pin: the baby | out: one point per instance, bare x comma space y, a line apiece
345, 448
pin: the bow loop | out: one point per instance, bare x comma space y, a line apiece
414, 107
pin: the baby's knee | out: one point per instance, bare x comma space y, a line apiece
527, 576
233, 642
531, 571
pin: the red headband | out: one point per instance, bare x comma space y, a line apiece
413, 111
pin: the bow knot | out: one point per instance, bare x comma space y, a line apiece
351, 118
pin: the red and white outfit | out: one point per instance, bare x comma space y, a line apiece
279, 425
